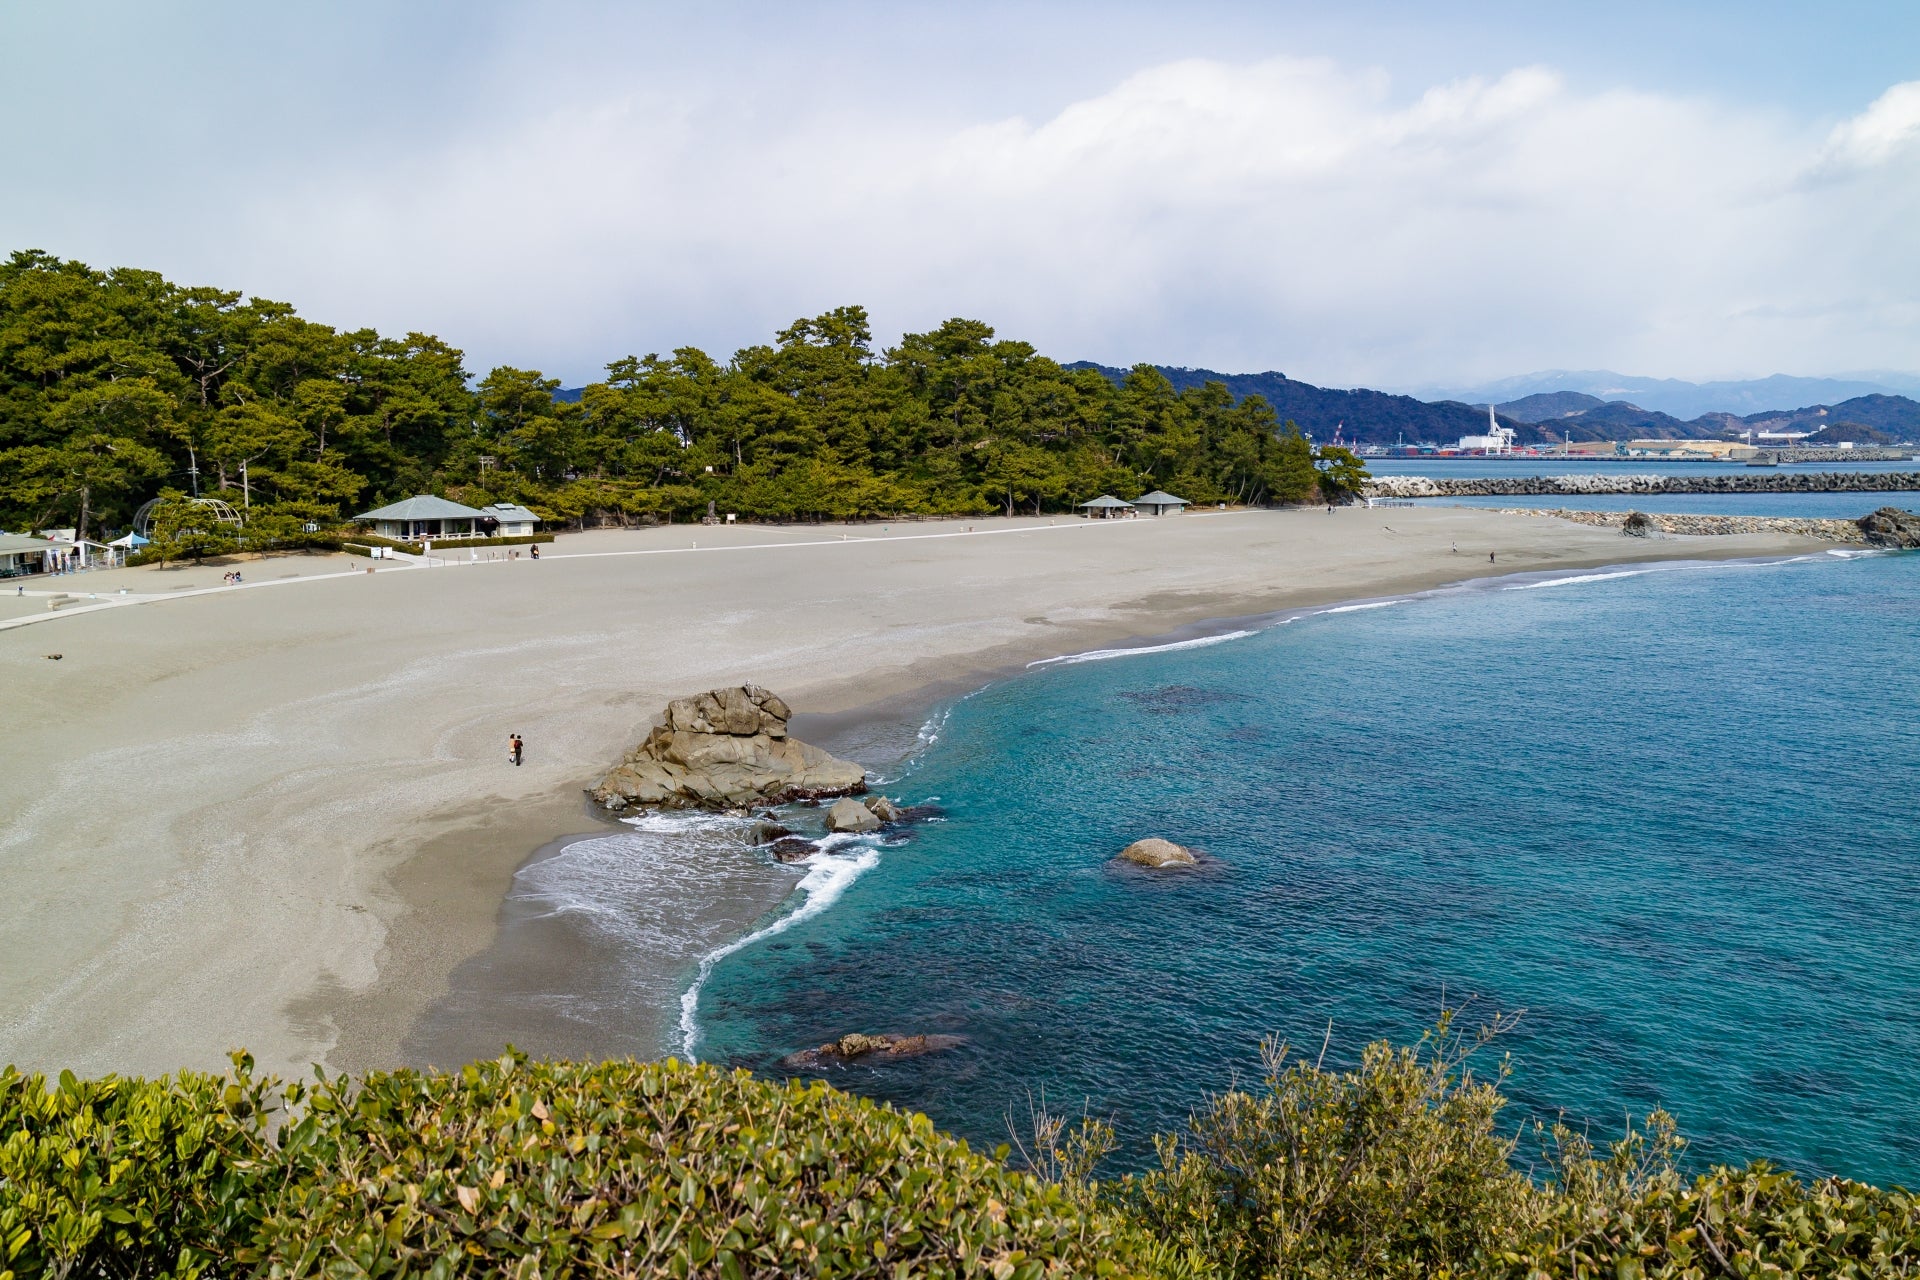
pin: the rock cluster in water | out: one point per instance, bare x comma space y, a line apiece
1891, 527
725, 749
1524, 486
1887, 527
881, 1048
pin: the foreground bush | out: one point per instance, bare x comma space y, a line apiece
1396, 1168
515, 1167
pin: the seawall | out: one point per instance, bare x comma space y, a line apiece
1531, 486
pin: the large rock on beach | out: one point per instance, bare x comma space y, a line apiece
864, 1048
1158, 855
852, 816
725, 749
1892, 527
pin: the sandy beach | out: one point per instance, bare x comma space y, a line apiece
280, 815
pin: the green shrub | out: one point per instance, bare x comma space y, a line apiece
1396, 1168
129, 1178
517, 1167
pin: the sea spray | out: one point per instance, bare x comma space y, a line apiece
829, 874
1106, 655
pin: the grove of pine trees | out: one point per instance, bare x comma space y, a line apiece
119, 386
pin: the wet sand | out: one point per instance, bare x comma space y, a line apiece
280, 815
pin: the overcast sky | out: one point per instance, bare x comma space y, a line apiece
1356, 193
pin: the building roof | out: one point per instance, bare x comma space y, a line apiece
13, 544
1159, 499
510, 513
423, 506
1106, 500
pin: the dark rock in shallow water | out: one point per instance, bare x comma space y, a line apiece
1177, 699
1892, 527
764, 832
792, 849
921, 813
870, 1049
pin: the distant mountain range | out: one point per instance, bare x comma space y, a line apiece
1683, 400
1542, 417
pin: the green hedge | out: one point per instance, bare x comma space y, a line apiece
1396, 1168
514, 1167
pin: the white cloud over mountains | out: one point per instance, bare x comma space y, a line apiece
1283, 213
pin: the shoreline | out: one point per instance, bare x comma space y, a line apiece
310, 806
900, 721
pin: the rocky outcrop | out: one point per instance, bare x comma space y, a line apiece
1693, 526
1891, 527
1157, 854
1529, 486
864, 1048
852, 816
725, 749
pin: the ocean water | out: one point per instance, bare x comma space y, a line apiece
1670, 812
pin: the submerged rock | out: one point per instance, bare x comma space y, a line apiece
851, 816
1158, 854
880, 1048
1892, 527
725, 749
792, 849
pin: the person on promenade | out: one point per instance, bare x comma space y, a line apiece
515, 747
535, 553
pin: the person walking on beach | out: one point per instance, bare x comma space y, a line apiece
515, 747
1489, 557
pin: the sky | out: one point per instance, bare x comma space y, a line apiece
1365, 193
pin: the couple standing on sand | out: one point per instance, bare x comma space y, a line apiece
514, 747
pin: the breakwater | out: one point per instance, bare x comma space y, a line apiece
1573, 486
1844, 531
1833, 455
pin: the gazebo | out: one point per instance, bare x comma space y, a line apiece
1105, 507
424, 516
1160, 503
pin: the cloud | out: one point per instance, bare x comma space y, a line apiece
1885, 130
1286, 213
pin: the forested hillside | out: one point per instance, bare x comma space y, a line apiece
118, 385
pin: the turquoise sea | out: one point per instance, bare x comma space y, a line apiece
1671, 812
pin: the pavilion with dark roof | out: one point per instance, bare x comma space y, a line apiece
424, 516
1105, 507
1160, 503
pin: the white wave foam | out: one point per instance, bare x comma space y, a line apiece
1846, 553
1102, 655
1578, 578
827, 878
1356, 608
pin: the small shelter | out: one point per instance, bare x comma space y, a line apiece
1160, 503
424, 516
1105, 507
21, 554
510, 520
